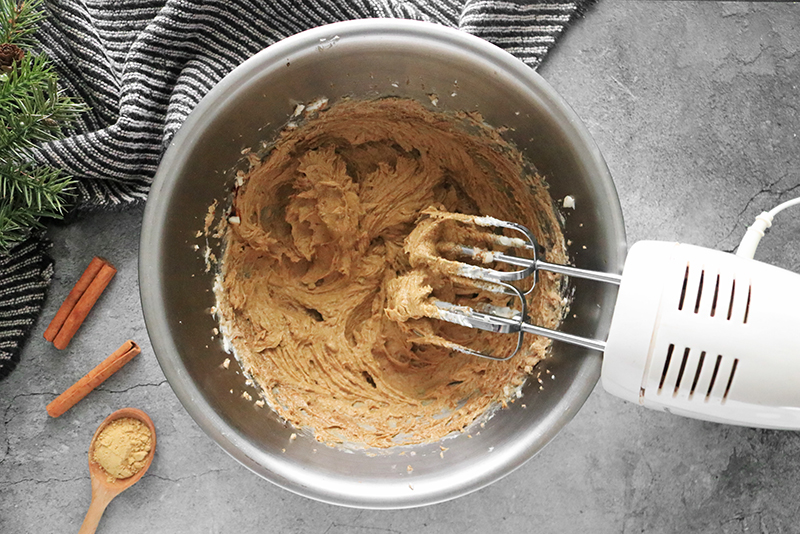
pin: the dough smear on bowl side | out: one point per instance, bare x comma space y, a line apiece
314, 247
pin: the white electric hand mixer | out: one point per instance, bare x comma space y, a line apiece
696, 332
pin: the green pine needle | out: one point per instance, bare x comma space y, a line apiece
16, 223
32, 110
19, 21
43, 189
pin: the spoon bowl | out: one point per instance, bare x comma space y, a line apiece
104, 487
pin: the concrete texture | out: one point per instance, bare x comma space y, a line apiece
696, 107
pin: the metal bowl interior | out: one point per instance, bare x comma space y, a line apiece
369, 58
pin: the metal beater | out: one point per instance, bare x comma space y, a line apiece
695, 331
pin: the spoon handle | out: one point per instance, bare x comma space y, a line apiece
100, 500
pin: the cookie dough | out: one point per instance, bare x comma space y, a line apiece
316, 240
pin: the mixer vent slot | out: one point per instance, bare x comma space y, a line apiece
747, 307
697, 373
716, 296
730, 379
683, 290
715, 303
681, 371
666, 367
685, 372
714, 376
747, 304
733, 295
699, 291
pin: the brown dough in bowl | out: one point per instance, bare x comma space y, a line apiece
318, 237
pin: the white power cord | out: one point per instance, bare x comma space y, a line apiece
747, 248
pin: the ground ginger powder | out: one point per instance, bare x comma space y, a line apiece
122, 447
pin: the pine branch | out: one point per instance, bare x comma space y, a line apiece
16, 224
32, 111
42, 189
27, 195
18, 21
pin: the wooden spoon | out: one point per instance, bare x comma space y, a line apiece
104, 491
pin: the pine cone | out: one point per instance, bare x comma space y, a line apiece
10, 54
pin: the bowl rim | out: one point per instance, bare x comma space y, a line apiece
167, 354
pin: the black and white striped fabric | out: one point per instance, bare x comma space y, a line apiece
25, 274
142, 66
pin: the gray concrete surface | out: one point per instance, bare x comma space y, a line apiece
696, 107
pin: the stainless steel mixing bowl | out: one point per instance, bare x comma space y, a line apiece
364, 59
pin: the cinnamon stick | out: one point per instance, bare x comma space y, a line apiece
84, 304
69, 303
93, 378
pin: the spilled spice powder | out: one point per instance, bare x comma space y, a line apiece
122, 447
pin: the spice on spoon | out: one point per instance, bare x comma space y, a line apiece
122, 448
106, 487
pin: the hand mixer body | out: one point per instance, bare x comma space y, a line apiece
706, 334
695, 331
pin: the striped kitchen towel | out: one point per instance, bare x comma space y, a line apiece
142, 66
